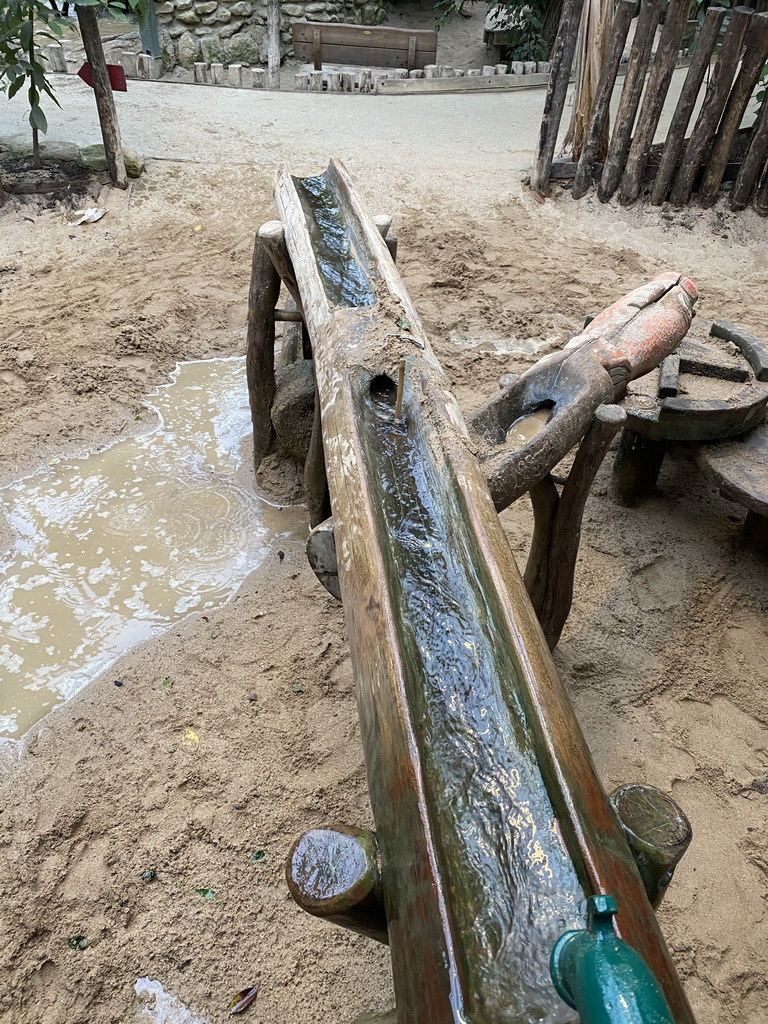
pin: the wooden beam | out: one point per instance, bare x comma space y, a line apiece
105, 100
491, 838
273, 44
634, 81
622, 18
714, 101
752, 65
554, 103
655, 93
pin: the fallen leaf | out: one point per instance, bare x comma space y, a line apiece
243, 999
207, 894
191, 739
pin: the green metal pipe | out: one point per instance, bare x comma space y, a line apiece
602, 977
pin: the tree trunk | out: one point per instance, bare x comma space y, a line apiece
105, 101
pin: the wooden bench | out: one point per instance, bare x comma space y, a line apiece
379, 46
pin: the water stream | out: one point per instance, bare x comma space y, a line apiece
113, 548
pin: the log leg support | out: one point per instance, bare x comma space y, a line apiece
333, 873
756, 531
551, 564
636, 467
657, 831
260, 348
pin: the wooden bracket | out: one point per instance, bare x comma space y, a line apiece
411, 62
317, 49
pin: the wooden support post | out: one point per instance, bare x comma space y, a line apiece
105, 100
235, 76
200, 73
333, 873
217, 74
257, 79
272, 237
669, 376
630, 99
655, 93
712, 108
636, 467
752, 64
557, 532
315, 480
598, 118
348, 80
273, 44
260, 347
756, 531
557, 89
658, 834
333, 81
752, 164
55, 56
761, 196
673, 145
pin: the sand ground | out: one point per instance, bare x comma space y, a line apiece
665, 654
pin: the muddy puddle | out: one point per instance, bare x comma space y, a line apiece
111, 549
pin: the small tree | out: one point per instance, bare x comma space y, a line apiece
19, 64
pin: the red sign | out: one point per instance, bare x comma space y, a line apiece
116, 76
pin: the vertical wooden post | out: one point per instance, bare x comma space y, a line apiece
714, 102
105, 101
630, 99
625, 12
273, 44
710, 33
260, 347
751, 66
565, 47
753, 161
761, 196
655, 94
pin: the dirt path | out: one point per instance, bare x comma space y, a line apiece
119, 807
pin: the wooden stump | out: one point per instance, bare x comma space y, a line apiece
260, 347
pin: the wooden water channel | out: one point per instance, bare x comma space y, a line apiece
495, 844
699, 153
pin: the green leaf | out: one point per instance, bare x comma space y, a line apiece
207, 894
37, 119
17, 84
260, 855
25, 35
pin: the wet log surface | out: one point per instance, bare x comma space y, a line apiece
492, 826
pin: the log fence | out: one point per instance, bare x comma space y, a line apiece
705, 145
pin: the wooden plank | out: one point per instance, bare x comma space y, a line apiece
365, 35
625, 12
752, 64
557, 89
639, 56
710, 34
753, 160
714, 102
370, 56
655, 94
490, 839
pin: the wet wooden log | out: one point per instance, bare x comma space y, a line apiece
598, 118
333, 873
272, 237
105, 100
260, 348
714, 103
655, 94
675, 140
634, 81
557, 89
658, 834
754, 160
554, 548
752, 65
442, 634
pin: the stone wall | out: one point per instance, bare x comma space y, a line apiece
234, 31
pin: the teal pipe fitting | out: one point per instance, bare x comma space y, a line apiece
603, 977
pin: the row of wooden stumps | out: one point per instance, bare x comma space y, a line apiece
622, 158
454, 804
